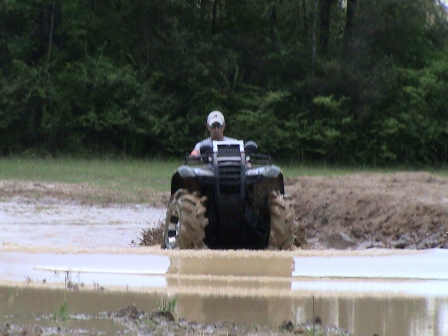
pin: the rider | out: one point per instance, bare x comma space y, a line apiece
215, 125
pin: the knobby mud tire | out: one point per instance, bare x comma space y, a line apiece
188, 210
283, 223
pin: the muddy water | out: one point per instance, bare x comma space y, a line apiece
368, 292
48, 223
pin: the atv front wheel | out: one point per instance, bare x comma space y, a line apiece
185, 221
283, 224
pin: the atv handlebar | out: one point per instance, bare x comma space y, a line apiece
248, 150
254, 159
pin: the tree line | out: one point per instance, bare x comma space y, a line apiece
336, 81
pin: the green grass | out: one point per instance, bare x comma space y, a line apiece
11, 296
122, 174
62, 313
167, 304
138, 175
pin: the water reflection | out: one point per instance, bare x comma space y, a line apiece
364, 316
273, 290
242, 266
230, 276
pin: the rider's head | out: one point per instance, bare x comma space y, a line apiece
216, 125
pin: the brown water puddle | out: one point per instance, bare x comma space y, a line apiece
52, 224
364, 316
86, 310
242, 286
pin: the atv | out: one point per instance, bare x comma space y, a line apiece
229, 197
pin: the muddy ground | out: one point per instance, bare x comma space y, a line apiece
358, 211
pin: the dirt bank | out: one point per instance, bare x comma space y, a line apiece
399, 210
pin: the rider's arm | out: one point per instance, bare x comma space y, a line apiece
196, 150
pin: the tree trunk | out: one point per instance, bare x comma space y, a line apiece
215, 6
272, 17
50, 35
202, 12
324, 19
349, 21
314, 39
305, 22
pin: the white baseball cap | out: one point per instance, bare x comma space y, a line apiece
215, 117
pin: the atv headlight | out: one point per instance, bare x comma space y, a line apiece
202, 172
190, 172
255, 171
266, 171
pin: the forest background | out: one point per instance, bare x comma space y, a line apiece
346, 82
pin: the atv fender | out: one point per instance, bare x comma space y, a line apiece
271, 172
177, 181
184, 176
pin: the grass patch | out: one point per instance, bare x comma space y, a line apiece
127, 175
11, 296
167, 304
62, 313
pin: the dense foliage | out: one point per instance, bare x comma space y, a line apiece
352, 81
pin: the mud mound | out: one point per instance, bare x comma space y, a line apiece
400, 210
